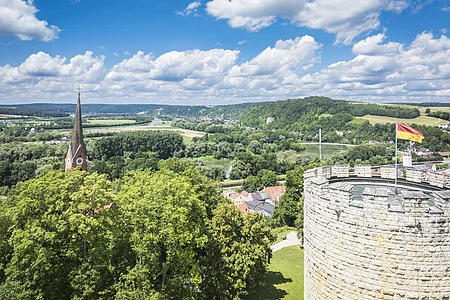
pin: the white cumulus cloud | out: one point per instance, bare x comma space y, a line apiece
380, 70
296, 55
389, 71
17, 17
345, 18
40, 77
190, 9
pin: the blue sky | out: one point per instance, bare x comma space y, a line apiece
224, 51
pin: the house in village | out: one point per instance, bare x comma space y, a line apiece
262, 202
275, 192
258, 196
445, 154
264, 208
237, 198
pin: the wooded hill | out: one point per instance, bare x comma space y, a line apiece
285, 113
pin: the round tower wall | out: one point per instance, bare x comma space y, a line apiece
379, 246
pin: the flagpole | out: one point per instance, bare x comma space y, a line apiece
396, 156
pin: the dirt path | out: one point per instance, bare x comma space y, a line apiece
291, 240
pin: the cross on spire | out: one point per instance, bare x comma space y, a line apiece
79, 89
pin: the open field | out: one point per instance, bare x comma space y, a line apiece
110, 122
184, 132
3, 116
285, 278
422, 120
328, 150
210, 161
422, 108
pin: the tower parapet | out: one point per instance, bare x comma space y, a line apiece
364, 241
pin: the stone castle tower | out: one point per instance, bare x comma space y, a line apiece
365, 238
76, 154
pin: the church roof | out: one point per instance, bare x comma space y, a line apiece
77, 134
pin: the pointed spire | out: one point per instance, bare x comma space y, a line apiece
76, 154
77, 135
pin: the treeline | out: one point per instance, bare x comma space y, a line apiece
444, 115
203, 126
430, 104
161, 235
20, 162
163, 143
25, 111
287, 112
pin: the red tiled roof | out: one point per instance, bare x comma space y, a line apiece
242, 207
244, 193
234, 196
229, 193
275, 192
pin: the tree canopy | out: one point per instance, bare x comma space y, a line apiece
165, 234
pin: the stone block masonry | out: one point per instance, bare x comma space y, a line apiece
375, 244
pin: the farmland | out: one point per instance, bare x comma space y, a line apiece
421, 120
422, 108
167, 127
110, 122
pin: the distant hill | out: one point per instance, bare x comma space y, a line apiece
50, 109
22, 110
252, 114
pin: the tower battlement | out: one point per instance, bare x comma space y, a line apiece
364, 241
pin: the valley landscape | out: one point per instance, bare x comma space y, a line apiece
224, 149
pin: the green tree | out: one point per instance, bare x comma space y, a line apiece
287, 210
61, 228
267, 178
167, 217
255, 147
240, 253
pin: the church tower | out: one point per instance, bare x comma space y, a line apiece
76, 154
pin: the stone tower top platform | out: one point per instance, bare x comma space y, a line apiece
365, 238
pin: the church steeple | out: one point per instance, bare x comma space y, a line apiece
76, 154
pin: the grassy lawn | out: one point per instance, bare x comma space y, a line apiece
187, 139
111, 122
285, 278
422, 120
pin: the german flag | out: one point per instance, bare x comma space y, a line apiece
405, 132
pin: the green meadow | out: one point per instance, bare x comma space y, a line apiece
285, 277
